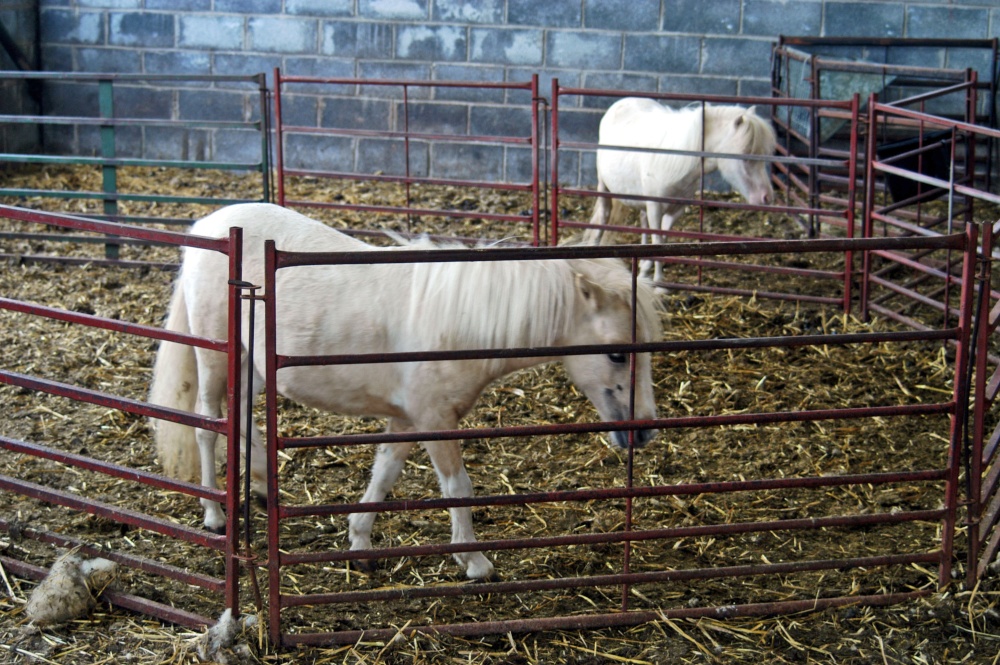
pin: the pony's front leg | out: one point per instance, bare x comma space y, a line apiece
389, 461
455, 483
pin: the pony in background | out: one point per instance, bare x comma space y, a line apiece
636, 122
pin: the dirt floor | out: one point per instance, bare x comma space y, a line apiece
955, 625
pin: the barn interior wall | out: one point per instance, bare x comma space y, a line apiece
19, 22
690, 46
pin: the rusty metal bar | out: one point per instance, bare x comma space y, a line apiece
18, 530
114, 513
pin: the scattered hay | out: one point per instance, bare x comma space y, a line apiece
948, 627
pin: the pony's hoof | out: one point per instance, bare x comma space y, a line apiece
260, 502
494, 576
366, 566
217, 530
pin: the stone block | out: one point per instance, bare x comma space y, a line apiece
397, 10
445, 43
282, 35
248, 6
216, 105
624, 15
352, 113
463, 11
57, 26
176, 143
737, 57
583, 50
108, 60
241, 146
868, 19
506, 47
770, 18
501, 121
549, 14
469, 74
142, 29
357, 40
211, 32
388, 156
319, 7
697, 17
433, 118
135, 101
178, 62
467, 161
309, 151
924, 21
662, 54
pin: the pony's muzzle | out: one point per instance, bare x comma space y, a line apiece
640, 437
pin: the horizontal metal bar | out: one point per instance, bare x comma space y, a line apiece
608, 580
96, 121
122, 161
135, 562
670, 346
114, 513
220, 245
412, 136
126, 404
111, 469
610, 493
592, 621
119, 599
116, 325
290, 259
119, 196
368, 439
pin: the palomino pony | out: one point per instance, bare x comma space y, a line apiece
644, 123
385, 308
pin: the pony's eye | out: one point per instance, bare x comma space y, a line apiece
617, 358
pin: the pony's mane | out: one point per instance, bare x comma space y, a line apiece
755, 135
505, 304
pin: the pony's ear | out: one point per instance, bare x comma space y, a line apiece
591, 293
741, 118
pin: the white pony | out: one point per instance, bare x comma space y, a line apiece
384, 308
644, 123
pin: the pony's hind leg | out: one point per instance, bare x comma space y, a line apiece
211, 389
600, 216
389, 461
455, 483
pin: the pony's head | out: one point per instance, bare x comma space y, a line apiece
603, 315
743, 132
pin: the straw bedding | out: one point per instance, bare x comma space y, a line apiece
957, 625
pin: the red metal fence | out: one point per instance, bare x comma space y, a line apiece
227, 584
943, 260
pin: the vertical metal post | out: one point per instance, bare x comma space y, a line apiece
233, 420
866, 229
974, 470
535, 198
961, 397
279, 152
271, 437
265, 137
109, 173
554, 184
852, 184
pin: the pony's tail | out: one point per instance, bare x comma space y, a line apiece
175, 385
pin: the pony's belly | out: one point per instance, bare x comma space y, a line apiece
358, 390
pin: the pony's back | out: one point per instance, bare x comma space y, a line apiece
290, 230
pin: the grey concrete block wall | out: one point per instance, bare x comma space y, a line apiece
696, 46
